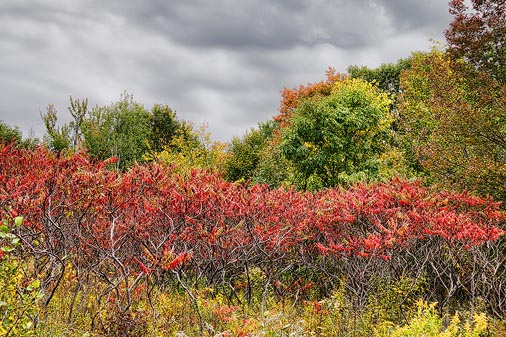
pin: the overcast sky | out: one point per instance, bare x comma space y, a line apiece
223, 62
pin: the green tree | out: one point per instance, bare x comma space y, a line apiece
78, 110
9, 134
164, 127
338, 139
387, 76
68, 136
57, 137
120, 130
244, 154
273, 168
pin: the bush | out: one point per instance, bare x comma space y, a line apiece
18, 294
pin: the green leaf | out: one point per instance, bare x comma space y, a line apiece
34, 285
18, 221
7, 249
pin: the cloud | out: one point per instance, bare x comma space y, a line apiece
223, 62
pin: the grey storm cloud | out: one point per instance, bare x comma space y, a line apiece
222, 62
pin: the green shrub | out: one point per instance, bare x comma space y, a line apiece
18, 295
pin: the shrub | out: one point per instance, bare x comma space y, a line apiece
18, 294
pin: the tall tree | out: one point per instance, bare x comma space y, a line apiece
9, 134
292, 97
454, 123
244, 153
337, 139
57, 138
478, 35
78, 110
164, 127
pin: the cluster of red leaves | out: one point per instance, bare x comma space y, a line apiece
152, 220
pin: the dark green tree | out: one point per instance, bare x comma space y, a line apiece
164, 127
386, 76
244, 153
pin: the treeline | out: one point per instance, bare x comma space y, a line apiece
435, 115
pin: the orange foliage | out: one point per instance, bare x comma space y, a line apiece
291, 97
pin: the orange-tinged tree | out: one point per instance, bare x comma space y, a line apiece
453, 121
292, 97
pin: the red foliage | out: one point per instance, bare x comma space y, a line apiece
478, 34
150, 216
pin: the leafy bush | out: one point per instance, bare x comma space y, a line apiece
18, 294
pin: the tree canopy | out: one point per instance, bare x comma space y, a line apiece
478, 35
337, 139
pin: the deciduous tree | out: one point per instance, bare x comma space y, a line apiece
453, 121
478, 35
337, 139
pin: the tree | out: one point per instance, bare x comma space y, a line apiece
386, 76
9, 134
337, 139
192, 149
479, 35
292, 97
78, 110
119, 130
57, 137
124, 129
244, 154
164, 127
453, 123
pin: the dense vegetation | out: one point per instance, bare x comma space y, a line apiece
371, 205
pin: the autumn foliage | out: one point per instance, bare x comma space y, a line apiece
151, 225
452, 119
478, 35
292, 97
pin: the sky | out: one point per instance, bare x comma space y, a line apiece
218, 62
